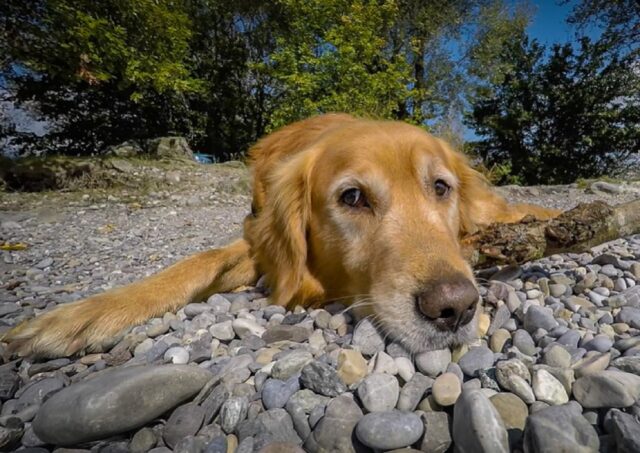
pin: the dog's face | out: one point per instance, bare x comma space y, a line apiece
372, 214
383, 227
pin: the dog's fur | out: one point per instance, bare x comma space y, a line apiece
313, 247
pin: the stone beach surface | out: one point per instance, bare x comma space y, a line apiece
556, 366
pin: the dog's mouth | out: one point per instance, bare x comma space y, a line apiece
400, 322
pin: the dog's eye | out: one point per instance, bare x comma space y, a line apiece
441, 188
354, 198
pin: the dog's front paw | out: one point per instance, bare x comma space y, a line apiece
85, 326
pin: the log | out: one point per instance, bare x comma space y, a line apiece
576, 230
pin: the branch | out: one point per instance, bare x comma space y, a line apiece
577, 230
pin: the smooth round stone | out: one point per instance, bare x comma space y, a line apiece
177, 355
477, 425
389, 430
628, 364
607, 389
512, 410
295, 333
446, 389
548, 389
413, 391
571, 339
379, 392
185, 421
523, 341
143, 441
232, 412
557, 290
591, 365
244, 327
499, 339
557, 356
367, 338
433, 363
538, 317
600, 343
559, 428
384, 363
116, 401
222, 331
477, 358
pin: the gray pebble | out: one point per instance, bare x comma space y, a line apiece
389, 430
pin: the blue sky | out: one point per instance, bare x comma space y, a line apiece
549, 25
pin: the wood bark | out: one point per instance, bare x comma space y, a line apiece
576, 230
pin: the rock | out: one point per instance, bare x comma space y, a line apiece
405, 367
433, 363
290, 364
477, 358
437, 437
276, 393
232, 412
352, 367
185, 421
322, 379
626, 430
367, 338
512, 410
548, 389
607, 389
446, 389
501, 315
177, 355
628, 364
269, 427
116, 401
281, 332
169, 147
514, 376
308, 400
477, 425
384, 363
523, 341
125, 149
413, 392
557, 356
333, 432
244, 327
389, 430
222, 331
143, 441
538, 317
379, 392
499, 339
593, 364
559, 428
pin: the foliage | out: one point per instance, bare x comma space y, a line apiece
573, 114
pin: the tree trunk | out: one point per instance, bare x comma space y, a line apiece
577, 230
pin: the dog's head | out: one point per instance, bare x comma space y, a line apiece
373, 212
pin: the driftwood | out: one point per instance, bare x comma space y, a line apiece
577, 230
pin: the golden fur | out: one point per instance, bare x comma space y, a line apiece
311, 247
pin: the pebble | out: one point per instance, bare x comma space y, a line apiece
538, 317
333, 432
352, 367
626, 430
244, 327
290, 364
559, 428
223, 331
177, 355
607, 389
477, 358
367, 338
116, 401
437, 436
276, 393
413, 391
433, 363
499, 339
389, 430
322, 379
379, 392
514, 376
548, 389
477, 425
446, 389
184, 421
297, 334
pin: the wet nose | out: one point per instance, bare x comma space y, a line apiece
449, 303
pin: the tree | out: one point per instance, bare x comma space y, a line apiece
574, 114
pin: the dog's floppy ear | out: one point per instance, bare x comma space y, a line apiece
480, 205
281, 232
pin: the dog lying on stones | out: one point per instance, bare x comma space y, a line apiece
365, 212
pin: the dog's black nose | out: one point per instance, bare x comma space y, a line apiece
449, 302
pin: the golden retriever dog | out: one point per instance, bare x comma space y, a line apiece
361, 211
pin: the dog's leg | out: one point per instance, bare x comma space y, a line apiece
90, 324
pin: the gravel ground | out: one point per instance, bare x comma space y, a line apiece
557, 367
